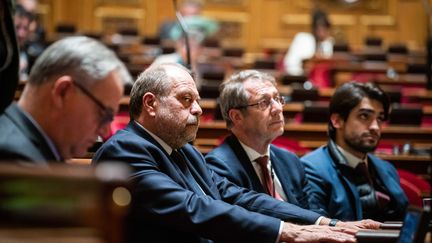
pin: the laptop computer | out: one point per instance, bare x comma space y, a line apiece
414, 228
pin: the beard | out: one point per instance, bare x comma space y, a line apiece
361, 144
175, 132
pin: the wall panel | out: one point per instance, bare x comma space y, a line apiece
255, 24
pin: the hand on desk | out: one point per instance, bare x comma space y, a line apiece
362, 224
316, 233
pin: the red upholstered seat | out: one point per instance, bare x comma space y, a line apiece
414, 187
121, 120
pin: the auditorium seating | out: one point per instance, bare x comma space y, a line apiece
397, 69
405, 115
315, 112
414, 187
373, 41
300, 93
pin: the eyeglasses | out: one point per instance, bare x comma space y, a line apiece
265, 103
107, 113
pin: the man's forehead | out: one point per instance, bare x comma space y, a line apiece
371, 105
254, 85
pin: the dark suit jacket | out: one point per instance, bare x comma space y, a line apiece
338, 195
20, 140
164, 209
231, 161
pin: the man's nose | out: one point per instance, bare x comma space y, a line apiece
276, 107
375, 125
196, 109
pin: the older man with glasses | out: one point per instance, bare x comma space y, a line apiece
70, 99
253, 111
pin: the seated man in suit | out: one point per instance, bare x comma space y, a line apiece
177, 198
70, 98
351, 183
252, 109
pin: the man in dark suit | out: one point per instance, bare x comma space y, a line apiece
70, 98
176, 198
252, 109
351, 183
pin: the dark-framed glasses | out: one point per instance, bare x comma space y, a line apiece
266, 103
107, 113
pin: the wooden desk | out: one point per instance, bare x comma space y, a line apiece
318, 132
64, 204
403, 79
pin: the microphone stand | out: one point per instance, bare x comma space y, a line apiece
184, 29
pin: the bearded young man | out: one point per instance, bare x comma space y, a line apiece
349, 182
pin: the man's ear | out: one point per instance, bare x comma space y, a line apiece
60, 89
236, 116
149, 103
336, 120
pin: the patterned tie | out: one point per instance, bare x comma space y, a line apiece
181, 163
268, 181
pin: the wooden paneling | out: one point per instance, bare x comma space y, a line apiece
260, 23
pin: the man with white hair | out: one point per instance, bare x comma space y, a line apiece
70, 98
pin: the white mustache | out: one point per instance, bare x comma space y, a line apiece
192, 120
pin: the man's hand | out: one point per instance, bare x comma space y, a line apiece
362, 224
358, 225
316, 233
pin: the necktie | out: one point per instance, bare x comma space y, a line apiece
267, 179
363, 171
382, 198
181, 163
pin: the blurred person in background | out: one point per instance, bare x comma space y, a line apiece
191, 10
304, 46
70, 99
22, 20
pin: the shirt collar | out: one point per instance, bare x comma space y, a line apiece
253, 154
164, 145
47, 139
352, 160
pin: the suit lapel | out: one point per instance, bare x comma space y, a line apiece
382, 175
345, 174
166, 164
30, 131
199, 172
197, 169
246, 163
283, 173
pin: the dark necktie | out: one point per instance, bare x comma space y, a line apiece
363, 171
181, 163
382, 198
267, 180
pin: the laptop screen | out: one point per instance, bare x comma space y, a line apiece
414, 226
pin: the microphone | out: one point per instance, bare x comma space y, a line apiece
184, 29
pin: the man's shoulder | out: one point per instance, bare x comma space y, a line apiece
380, 162
317, 158
14, 144
11, 135
282, 152
125, 139
222, 152
6, 123
314, 153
